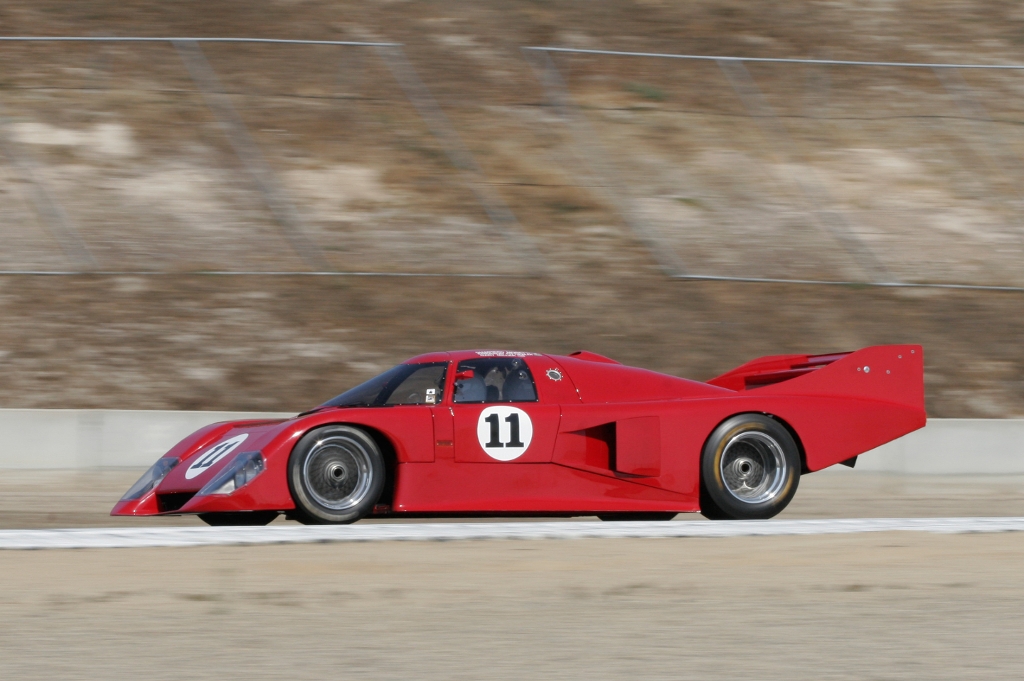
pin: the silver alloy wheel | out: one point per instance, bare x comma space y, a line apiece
337, 472
754, 467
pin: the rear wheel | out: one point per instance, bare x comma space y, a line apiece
336, 474
238, 518
750, 469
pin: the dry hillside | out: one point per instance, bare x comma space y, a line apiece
849, 174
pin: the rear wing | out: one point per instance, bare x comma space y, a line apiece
890, 373
773, 369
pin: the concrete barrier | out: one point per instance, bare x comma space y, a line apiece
953, 447
90, 439
98, 438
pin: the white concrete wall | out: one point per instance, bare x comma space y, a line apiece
96, 438
83, 438
953, 447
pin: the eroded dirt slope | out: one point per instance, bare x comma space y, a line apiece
892, 162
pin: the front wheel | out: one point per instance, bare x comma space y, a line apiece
750, 469
336, 475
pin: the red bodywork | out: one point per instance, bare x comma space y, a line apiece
606, 437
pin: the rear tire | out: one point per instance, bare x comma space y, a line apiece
336, 474
750, 469
238, 518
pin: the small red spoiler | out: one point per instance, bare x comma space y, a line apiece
773, 369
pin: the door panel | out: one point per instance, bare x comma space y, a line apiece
444, 432
522, 432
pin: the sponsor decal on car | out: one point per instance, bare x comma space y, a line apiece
213, 455
505, 353
504, 432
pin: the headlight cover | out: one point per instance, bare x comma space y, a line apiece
238, 473
151, 478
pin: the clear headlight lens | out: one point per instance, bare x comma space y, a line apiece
238, 473
151, 478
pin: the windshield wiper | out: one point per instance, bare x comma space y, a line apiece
322, 407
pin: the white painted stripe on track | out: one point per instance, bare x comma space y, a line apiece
143, 537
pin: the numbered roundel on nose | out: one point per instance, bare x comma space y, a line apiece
504, 432
213, 455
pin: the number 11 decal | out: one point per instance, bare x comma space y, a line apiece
513, 426
495, 440
513, 421
504, 432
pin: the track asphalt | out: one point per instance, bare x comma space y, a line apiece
149, 537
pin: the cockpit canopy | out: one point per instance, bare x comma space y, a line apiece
480, 380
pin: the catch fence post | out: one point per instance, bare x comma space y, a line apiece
813, 191
53, 217
503, 220
284, 211
595, 162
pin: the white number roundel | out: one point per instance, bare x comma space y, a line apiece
504, 432
213, 455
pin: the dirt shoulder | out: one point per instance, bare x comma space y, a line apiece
895, 606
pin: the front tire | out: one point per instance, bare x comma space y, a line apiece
750, 469
336, 475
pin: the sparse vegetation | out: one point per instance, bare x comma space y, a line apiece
183, 200
647, 91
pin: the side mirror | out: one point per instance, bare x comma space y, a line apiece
464, 374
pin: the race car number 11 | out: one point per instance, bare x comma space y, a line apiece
504, 432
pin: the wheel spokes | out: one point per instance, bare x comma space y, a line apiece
753, 467
337, 473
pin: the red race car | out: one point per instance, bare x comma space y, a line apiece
493, 432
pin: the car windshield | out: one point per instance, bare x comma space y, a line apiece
403, 384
